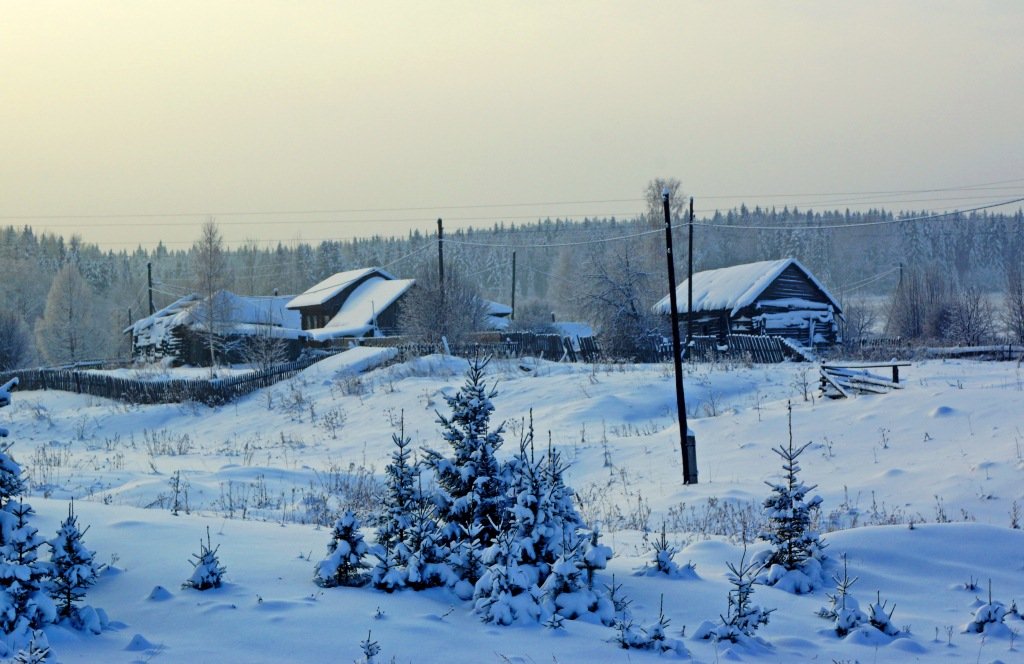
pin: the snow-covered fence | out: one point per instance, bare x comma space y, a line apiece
755, 348
133, 390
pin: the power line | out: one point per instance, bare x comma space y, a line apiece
880, 222
437, 208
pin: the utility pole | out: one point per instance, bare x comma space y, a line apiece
687, 441
689, 289
440, 277
149, 280
513, 285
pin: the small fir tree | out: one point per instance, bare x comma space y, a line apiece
73, 567
401, 496
344, 564
790, 513
24, 603
471, 485
743, 617
207, 572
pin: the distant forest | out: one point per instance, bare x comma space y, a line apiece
855, 254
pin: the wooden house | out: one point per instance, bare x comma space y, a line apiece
356, 303
777, 298
179, 330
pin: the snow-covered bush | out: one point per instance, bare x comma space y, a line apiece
794, 563
73, 570
988, 617
207, 572
344, 564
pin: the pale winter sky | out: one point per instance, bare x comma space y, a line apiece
129, 122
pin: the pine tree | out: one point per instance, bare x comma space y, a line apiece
471, 482
344, 564
207, 571
73, 567
795, 546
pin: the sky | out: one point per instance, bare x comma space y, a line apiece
133, 122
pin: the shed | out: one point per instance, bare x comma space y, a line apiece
776, 298
178, 330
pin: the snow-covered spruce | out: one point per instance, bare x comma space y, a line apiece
74, 570
631, 636
25, 606
207, 572
795, 561
507, 592
471, 490
743, 617
344, 564
663, 560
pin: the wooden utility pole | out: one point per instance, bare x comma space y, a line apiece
440, 254
689, 289
687, 441
149, 280
513, 285
440, 277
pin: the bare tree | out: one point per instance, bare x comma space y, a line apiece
920, 307
15, 342
210, 278
1013, 298
858, 321
971, 318
620, 301
264, 349
428, 314
73, 326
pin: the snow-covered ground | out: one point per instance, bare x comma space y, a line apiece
946, 454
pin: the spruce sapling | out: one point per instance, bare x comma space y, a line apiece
207, 572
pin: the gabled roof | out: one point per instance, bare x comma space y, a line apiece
359, 310
332, 285
735, 287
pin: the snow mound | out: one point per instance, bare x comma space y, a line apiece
139, 642
159, 594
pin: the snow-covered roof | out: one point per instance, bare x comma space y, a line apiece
241, 313
733, 287
332, 285
360, 309
497, 308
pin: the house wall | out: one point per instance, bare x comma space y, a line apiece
806, 317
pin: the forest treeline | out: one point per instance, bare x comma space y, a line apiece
572, 268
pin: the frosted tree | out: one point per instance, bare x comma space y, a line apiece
24, 603
344, 564
210, 276
794, 561
11, 481
73, 326
207, 572
663, 562
73, 568
471, 487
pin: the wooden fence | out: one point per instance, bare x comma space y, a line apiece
742, 347
210, 391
